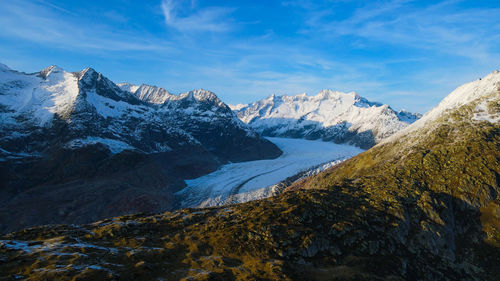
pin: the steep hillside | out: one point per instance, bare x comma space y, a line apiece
440, 176
331, 116
78, 143
423, 205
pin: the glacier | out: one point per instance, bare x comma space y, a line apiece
245, 181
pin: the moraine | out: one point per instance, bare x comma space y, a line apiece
245, 181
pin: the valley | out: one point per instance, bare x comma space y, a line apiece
296, 140
245, 181
421, 204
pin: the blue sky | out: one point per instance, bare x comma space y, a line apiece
409, 54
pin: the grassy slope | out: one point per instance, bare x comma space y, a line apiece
425, 207
459, 158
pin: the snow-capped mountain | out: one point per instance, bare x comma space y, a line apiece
92, 149
329, 115
127, 87
146, 93
93, 109
483, 94
441, 172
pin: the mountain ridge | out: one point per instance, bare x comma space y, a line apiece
477, 89
329, 115
77, 133
88, 93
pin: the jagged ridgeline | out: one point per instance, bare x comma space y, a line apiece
75, 147
422, 205
329, 116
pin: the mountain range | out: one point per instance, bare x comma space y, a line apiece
93, 149
329, 116
79, 143
423, 204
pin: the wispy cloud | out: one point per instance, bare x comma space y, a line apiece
39, 23
439, 27
183, 18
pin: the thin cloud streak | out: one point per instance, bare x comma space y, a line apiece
429, 28
213, 19
38, 24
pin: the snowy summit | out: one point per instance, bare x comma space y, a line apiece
329, 115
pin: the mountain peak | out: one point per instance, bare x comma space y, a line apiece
271, 97
90, 70
202, 95
465, 94
199, 97
329, 115
3, 67
87, 75
51, 70
128, 87
326, 94
148, 93
407, 116
468, 93
236, 107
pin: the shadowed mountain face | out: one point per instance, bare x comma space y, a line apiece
75, 147
422, 205
329, 116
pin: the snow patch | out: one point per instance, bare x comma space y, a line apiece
153, 94
237, 106
39, 97
115, 146
482, 113
110, 108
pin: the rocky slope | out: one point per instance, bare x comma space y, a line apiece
422, 205
439, 178
79, 143
331, 116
